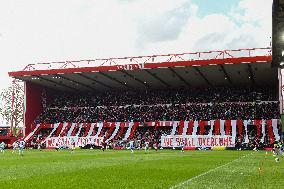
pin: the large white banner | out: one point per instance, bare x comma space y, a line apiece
197, 141
54, 142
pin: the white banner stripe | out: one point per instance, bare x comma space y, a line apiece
195, 126
222, 127
211, 127
79, 130
246, 122
53, 130
275, 129
175, 124
128, 130
234, 128
73, 125
117, 125
263, 123
91, 130
32, 133
185, 128
100, 127
63, 128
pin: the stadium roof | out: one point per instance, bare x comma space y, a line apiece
198, 69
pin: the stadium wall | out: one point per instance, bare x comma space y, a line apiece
36, 97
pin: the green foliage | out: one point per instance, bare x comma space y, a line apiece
121, 169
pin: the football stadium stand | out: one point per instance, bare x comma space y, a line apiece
231, 93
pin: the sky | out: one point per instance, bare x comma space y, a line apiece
34, 31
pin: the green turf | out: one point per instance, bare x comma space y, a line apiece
121, 169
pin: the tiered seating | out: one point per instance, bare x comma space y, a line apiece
119, 116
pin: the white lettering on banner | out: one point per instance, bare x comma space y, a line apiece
54, 142
197, 141
130, 66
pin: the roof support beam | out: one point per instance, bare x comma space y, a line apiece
114, 79
226, 74
136, 79
180, 77
51, 81
202, 75
89, 78
77, 82
251, 75
156, 77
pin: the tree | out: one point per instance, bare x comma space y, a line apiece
11, 106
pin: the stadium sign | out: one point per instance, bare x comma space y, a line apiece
197, 141
54, 142
130, 66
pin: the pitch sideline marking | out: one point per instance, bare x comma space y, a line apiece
205, 173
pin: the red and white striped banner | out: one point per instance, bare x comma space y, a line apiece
126, 130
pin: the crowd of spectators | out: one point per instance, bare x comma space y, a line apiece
179, 96
257, 102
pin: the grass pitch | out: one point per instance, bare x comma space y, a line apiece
121, 169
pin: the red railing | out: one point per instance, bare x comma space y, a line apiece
141, 60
